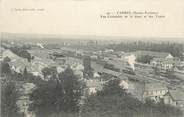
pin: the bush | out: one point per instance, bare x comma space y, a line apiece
59, 94
9, 96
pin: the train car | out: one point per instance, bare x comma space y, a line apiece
128, 70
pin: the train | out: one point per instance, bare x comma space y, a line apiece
129, 70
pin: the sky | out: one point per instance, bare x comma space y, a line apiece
82, 17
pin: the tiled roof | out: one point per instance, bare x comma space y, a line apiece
154, 86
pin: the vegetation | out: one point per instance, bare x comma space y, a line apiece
113, 101
9, 96
5, 68
49, 71
88, 71
9, 89
144, 59
6, 59
58, 95
22, 52
175, 49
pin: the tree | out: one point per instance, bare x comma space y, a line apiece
72, 89
112, 88
175, 49
88, 71
29, 77
6, 59
45, 98
57, 95
22, 52
49, 71
113, 101
5, 68
25, 72
145, 59
9, 96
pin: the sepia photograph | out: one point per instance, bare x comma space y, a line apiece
82, 58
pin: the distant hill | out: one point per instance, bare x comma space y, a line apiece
55, 38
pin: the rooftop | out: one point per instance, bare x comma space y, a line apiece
154, 86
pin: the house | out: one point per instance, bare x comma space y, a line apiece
10, 54
108, 50
162, 64
79, 53
96, 75
58, 57
124, 82
167, 64
154, 91
18, 64
94, 57
175, 98
93, 86
143, 91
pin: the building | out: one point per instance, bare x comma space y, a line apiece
143, 91
167, 64
175, 98
93, 86
94, 57
162, 64
1, 53
154, 91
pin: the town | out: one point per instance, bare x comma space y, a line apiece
150, 74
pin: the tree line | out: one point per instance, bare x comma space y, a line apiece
22, 52
174, 49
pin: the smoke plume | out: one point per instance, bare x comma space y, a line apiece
40, 45
131, 60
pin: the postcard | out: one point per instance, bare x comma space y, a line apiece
84, 58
